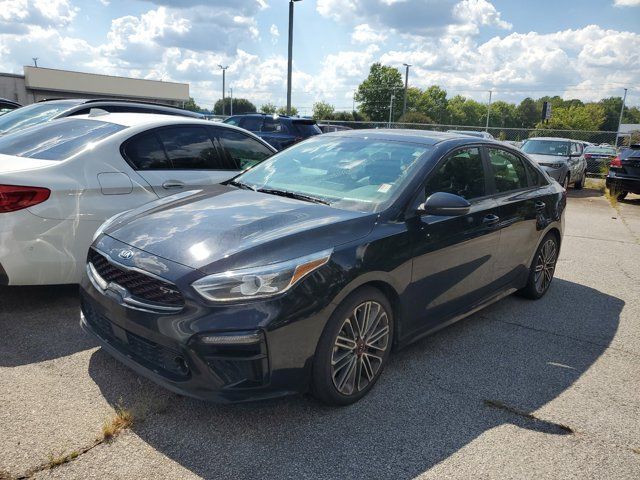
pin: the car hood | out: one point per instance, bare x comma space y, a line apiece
226, 227
548, 158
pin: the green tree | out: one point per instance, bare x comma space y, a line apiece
575, 117
240, 106
528, 113
465, 111
415, 117
268, 108
433, 103
323, 111
504, 115
374, 93
283, 110
192, 105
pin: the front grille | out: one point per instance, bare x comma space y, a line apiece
162, 360
137, 284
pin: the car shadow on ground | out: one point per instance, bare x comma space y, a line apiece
39, 324
584, 193
434, 398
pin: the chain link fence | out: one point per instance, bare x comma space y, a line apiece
513, 136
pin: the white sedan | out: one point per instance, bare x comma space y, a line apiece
61, 180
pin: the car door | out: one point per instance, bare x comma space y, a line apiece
575, 161
177, 158
240, 149
453, 264
522, 212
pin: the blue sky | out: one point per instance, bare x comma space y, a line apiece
586, 49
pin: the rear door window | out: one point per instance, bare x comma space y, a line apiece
240, 150
189, 148
57, 140
145, 152
306, 129
272, 125
508, 170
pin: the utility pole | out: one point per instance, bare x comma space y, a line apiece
486, 129
290, 60
224, 71
406, 87
624, 99
231, 101
35, 61
391, 109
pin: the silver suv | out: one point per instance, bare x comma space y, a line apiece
562, 158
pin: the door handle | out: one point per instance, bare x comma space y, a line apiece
491, 220
170, 184
540, 206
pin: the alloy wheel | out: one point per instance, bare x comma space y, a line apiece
359, 348
545, 265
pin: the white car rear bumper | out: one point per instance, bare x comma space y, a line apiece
40, 251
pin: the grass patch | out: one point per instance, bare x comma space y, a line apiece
122, 420
57, 460
595, 184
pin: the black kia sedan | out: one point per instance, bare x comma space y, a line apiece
304, 272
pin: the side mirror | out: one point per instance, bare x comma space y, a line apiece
445, 205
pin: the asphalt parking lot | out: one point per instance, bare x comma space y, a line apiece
523, 389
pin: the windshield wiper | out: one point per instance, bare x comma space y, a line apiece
297, 196
241, 185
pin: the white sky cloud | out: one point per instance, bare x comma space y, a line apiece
626, 3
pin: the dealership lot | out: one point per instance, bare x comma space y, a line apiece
545, 389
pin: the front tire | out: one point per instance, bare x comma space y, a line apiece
542, 268
353, 348
565, 182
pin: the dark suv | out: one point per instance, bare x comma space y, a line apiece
624, 173
278, 130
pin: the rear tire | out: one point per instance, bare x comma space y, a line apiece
542, 268
353, 348
621, 195
565, 182
579, 184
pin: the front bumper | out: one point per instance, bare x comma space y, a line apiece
168, 348
623, 184
558, 174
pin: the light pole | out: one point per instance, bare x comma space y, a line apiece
231, 101
290, 61
406, 87
624, 99
391, 109
35, 61
486, 129
224, 71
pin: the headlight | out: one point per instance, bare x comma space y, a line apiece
259, 282
107, 223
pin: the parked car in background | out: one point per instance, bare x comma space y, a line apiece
624, 173
278, 130
599, 157
59, 181
562, 158
7, 105
328, 128
303, 272
53, 109
472, 133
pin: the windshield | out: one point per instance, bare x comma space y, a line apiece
546, 147
600, 150
350, 173
32, 115
56, 140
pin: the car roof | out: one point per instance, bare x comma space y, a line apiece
559, 139
424, 137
